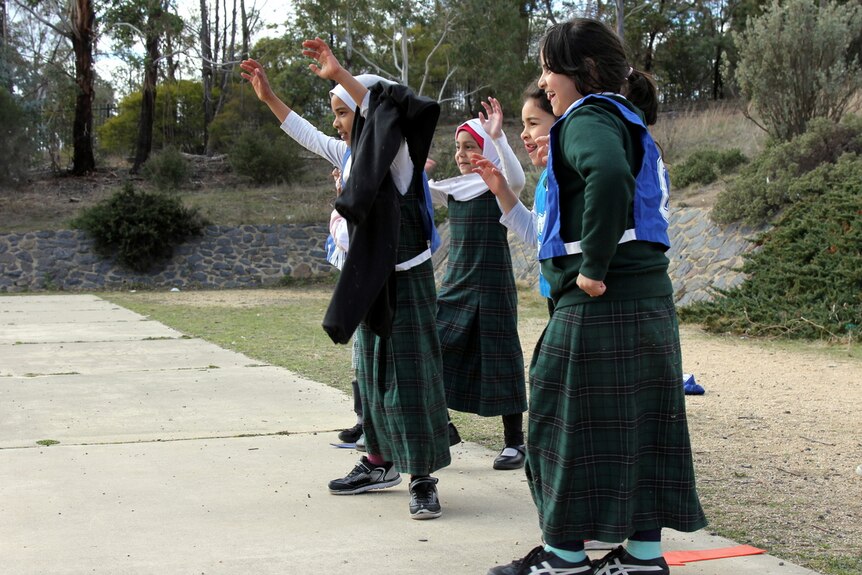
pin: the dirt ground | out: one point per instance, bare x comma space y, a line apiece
777, 437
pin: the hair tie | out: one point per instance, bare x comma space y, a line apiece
629, 73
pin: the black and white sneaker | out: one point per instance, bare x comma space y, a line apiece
351, 434
541, 562
365, 477
619, 562
424, 503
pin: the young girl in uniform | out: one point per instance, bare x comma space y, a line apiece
537, 117
477, 315
399, 372
609, 455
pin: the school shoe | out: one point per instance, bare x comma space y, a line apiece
424, 502
360, 443
541, 562
350, 435
365, 477
454, 436
512, 457
619, 562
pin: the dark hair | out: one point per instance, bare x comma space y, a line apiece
593, 56
533, 92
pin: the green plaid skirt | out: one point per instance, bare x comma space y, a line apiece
609, 451
477, 314
401, 377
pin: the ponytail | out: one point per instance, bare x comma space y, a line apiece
640, 89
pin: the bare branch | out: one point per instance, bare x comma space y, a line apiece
447, 27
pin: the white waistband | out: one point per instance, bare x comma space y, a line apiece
573, 248
413, 262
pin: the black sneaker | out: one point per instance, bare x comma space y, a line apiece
619, 562
351, 435
365, 477
454, 436
541, 562
424, 503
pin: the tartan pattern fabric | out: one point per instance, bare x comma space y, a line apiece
401, 377
609, 451
477, 314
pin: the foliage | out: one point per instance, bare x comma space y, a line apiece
265, 155
178, 120
16, 147
805, 281
140, 228
798, 62
778, 177
167, 169
705, 166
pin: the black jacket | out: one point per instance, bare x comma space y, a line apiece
371, 204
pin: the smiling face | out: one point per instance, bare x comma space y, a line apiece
343, 121
537, 122
464, 146
560, 88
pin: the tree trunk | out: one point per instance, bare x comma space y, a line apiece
148, 103
206, 71
83, 17
717, 80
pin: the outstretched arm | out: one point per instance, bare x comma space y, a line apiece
328, 67
255, 74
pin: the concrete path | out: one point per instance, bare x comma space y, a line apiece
176, 457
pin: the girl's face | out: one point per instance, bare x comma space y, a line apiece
537, 122
464, 146
343, 121
560, 88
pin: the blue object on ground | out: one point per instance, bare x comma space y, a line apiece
691, 387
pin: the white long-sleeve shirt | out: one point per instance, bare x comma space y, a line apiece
468, 186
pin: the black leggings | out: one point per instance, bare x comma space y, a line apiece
513, 429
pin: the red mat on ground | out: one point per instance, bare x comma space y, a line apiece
680, 558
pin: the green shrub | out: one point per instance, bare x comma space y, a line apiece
805, 281
141, 229
705, 166
774, 180
167, 169
265, 156
798, 61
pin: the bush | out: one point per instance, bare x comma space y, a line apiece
806, 279
705, 166
167, 169
15, 145
265, 157
796, 63
141, 229
774, 180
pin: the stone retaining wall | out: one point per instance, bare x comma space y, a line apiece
704, 256
223, 257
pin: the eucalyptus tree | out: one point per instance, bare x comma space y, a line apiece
74, 21
149, 22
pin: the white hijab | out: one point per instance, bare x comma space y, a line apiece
468, 186
366, 80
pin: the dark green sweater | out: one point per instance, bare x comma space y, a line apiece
595, 163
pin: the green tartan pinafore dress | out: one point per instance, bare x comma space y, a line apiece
401, 377
477, 314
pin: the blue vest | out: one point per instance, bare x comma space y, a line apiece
652, 191
539, 208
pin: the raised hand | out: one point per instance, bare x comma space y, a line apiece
493, 122
253, 72
542, 150
489, 172
327, 65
